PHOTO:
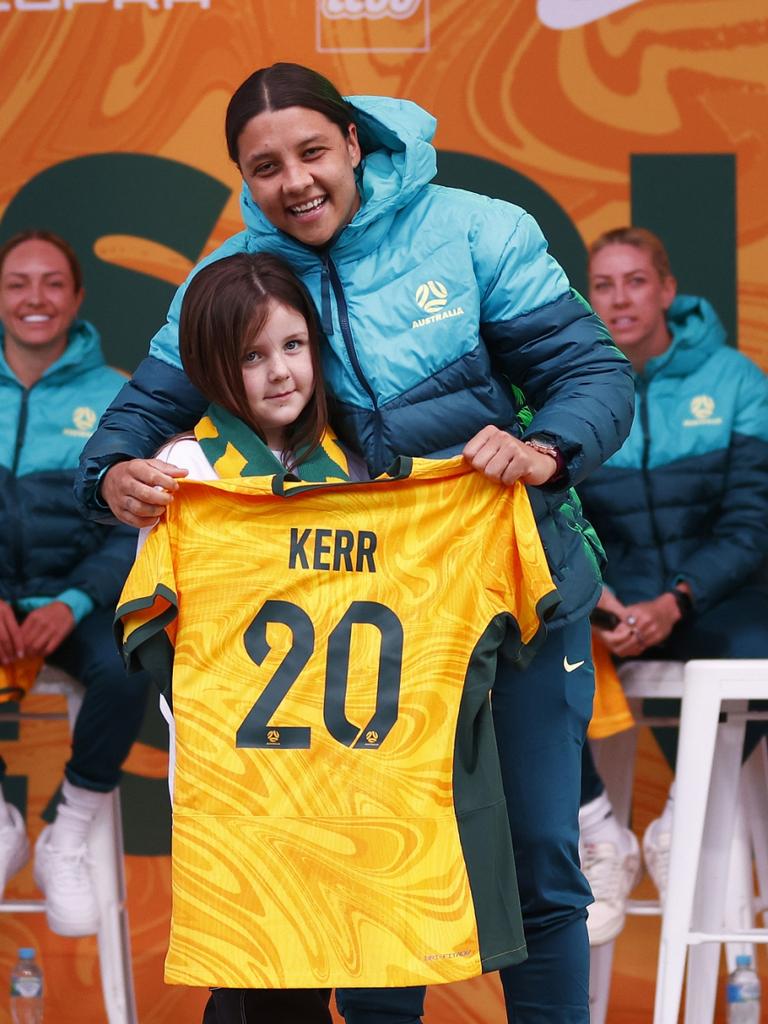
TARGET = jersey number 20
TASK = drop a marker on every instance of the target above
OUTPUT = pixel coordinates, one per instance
(257, 729)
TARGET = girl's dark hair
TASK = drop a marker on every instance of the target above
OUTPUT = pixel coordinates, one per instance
(38, 235)
(225, 306)
(278, 87)
(640, 238)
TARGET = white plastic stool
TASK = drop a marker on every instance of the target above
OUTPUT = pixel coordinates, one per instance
(106, 846)
(615, 758)
(756, 810)
(707, 780)
(615, 762)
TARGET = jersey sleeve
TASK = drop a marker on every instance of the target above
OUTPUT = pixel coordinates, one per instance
(516, 571)
(145, 621)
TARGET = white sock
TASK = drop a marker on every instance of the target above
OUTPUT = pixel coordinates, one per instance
(76, 811)
(598, 824)
(5, 814)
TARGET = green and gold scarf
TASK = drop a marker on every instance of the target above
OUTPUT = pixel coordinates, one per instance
(233, 449)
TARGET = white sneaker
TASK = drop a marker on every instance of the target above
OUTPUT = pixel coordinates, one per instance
(656, 846)
(612, 876)
(14, 847)
(64, 876)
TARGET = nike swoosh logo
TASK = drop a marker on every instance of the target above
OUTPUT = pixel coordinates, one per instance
(562, 14)
(571, 667)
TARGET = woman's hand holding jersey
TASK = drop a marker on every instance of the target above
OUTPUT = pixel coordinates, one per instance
(138, 490)
(498, 455)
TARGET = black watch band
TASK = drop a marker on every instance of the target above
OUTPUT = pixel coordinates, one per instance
(684, 602)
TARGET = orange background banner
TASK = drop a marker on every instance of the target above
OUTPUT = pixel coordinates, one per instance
(587, 112)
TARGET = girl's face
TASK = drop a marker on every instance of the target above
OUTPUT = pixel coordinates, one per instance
(300, 168)
(278, 375)
(38, 301)
(631, 299)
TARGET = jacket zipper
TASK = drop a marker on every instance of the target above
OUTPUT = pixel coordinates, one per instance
(346, 332)
(642, 392)
(15, 523)
(332, 273)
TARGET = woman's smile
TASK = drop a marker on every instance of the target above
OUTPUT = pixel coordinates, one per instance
(300, 170)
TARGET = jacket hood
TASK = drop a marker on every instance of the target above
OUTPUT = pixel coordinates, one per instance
(696, 333)
(83, 352)
(398, 161)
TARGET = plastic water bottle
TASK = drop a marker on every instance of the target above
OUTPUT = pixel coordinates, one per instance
(742, 995)
(27, 989)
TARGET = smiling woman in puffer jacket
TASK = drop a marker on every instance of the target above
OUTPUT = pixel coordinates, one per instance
(439, 308)
(60, 576)
(682, 511)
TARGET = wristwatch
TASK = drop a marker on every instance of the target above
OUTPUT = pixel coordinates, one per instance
(548, 448)
(684, 602)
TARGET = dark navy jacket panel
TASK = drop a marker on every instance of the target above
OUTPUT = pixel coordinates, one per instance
(573, 379)
(46, 547)
(686, 498)
(50, 548)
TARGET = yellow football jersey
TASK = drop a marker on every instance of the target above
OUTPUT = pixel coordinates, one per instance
(328, 651)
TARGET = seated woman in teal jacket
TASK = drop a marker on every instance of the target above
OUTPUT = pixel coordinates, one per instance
(682, 511)
(60, 576)
(439, 308)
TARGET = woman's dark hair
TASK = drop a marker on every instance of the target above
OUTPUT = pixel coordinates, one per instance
(640, 238)
(38, 235)
(224, 308)
(278, 87)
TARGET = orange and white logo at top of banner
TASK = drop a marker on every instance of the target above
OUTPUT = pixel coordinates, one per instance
(372, 9)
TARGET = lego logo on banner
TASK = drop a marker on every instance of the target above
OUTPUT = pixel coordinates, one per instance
(372, 26)
(369, 8)
(562, 14)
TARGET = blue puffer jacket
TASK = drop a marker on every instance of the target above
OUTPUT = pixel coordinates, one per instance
(47, 550)
(433, 300)
(686, 498)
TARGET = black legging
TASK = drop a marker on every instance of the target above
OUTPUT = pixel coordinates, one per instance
(268, 1006)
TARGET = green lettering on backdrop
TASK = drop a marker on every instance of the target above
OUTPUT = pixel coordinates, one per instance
(689, 200)
(476, 174)
(90, 197)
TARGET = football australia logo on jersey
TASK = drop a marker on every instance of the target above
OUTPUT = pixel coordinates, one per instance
(432, 297)
(372, 26)
(84, 422)
(702, 410)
